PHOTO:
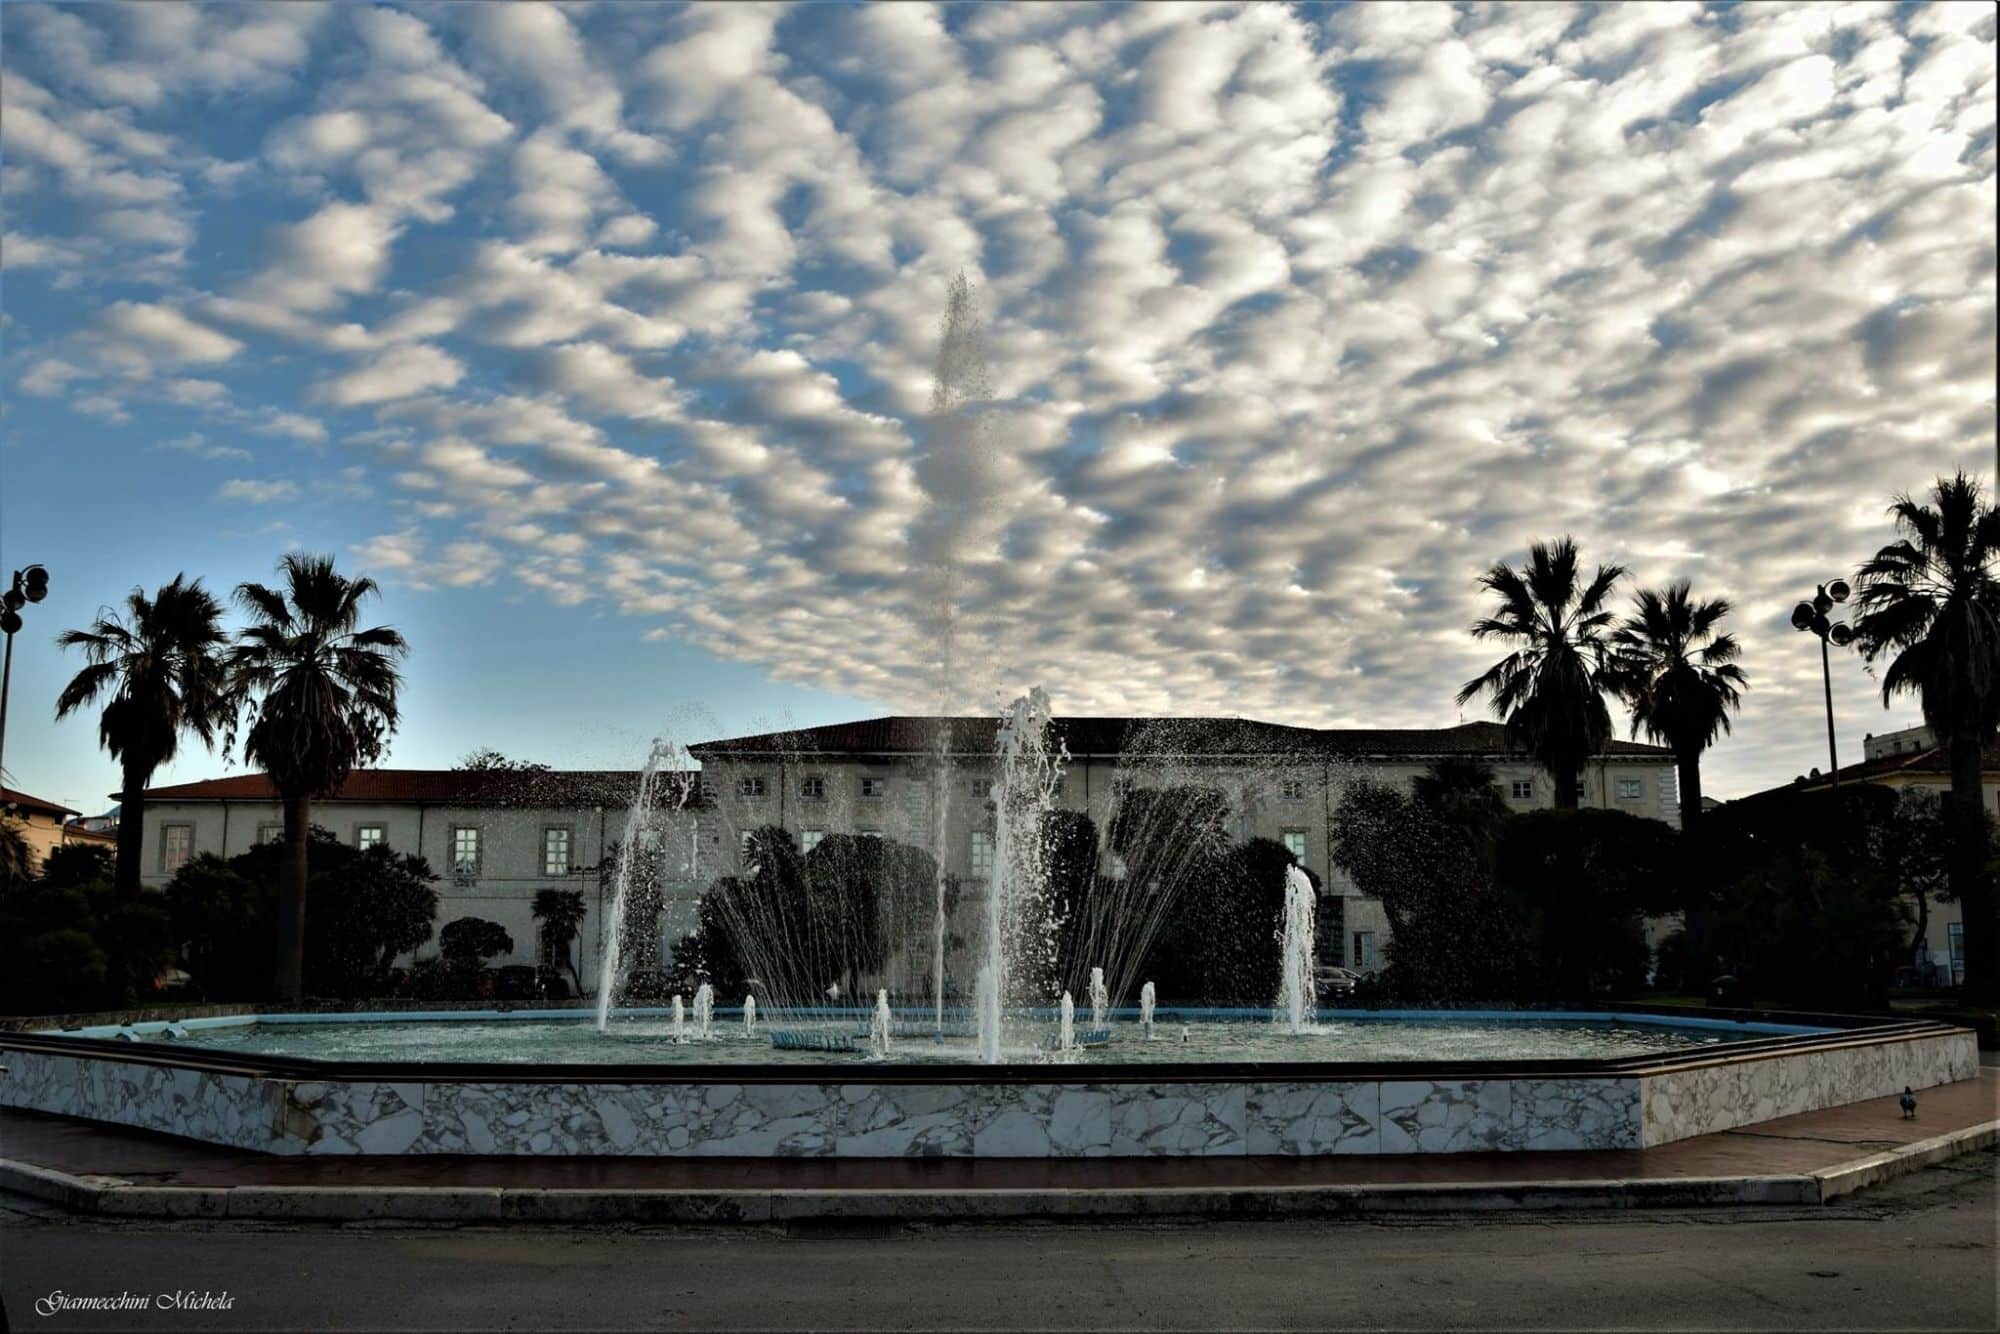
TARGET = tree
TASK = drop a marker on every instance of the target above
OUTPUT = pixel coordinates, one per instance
(1550, 689)
(1679, 675)
(473, 940)
(561, 913)
(490, 761)
(74, 864)
(14, 857)
(1578, 886)
(325, 697)
(1913, 850)
(1930, 602)
(160, 670)
(1681, 679)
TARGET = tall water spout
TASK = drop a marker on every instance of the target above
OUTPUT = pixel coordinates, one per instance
(878, 1027)
(704, 1009)
(679, 1020)
(1297, 1007)
(1066, 1034)
(631, 848)
(1100, 999)
(986, 1004)
(1021, 797)
(750, 1014)
(1146, 1010)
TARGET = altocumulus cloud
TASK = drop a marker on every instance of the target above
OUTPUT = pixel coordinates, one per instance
(1297, 317)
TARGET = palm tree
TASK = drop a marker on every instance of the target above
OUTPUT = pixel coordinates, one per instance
(1681, 679)
(161, 672)
(325, 697)
(1932, 600)
(561, 912)
(1550, 689)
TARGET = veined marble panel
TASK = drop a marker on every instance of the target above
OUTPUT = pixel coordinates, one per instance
(1707, 1099)
(1310, 1119)
(222, 1109)
(1445, 1116)
(1179, 1120)
(1572, 1114)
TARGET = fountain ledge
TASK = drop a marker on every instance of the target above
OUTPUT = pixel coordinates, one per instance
(292, 1106)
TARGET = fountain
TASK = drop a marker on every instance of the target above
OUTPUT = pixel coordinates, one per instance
(1100, 1000)
(1297, 1003)
(1021, 797)
(1146, 1010)
(678, 1017)
(749, 1016)
(637, 822)
(704, 1010)
(878, 1028)
(1066, 1033)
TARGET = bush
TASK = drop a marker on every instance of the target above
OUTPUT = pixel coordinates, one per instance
(79, 946)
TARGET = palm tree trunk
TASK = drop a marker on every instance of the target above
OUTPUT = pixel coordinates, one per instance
(1567, 791)
(131, 832)
(1918, 949)
(1968, 874)
(292, 900)
(1699, 922)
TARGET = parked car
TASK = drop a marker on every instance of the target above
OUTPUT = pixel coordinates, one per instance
(1336, 982)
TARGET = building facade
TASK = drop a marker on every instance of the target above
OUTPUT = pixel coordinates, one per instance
(497, 837)
(494, 838)
(47, 825)
(883, 776)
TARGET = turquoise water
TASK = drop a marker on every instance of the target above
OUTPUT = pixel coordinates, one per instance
(566, 1037)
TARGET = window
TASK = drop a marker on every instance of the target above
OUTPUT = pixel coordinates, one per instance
(370, 836)
(1364, 951)
(982, 852)
(873, 788)
(270, 833)
(1630, 789)
(1295, 843)
(176, 846)
(979, 789)
(809, 839)
(813, 789)
(1954, 934)
(750, 785)
(1292, 789)
(869, 833)
(464, 850)
(555, 851)
(1118, 868)
(1522, 789)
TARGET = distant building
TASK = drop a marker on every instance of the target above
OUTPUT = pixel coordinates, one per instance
(495, 837)
(46, 825)
(1282, 783)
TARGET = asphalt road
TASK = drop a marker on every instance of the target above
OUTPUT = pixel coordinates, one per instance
(1919, 1253)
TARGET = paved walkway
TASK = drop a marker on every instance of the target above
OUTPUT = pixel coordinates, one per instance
(1795, 1146)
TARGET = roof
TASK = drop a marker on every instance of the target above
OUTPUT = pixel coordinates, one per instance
(1934, 762)
(445, 787)
(28, 805)
(75, 832)
(1222, 737)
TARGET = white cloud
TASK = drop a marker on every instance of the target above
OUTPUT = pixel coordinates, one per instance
(399, 373)
(253, 492)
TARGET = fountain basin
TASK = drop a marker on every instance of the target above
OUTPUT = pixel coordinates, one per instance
(1707, 1072)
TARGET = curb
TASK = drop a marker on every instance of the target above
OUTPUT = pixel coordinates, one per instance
(110, 1197)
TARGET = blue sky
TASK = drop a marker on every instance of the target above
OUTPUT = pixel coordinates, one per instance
(603, 336)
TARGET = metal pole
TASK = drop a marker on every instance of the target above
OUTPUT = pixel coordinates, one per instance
(1826, 678)
(6, 682)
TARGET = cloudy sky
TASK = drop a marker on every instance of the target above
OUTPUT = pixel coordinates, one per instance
(603, 335)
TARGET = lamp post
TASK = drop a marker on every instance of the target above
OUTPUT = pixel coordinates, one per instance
(1813, 616)
(30, 585)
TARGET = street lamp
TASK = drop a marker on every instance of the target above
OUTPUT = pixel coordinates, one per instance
(30, 585)
(1813, 616)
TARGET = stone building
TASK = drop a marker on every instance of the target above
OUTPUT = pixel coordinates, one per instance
(495, 837)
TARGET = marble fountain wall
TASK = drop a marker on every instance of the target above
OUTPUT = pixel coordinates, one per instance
(1086, 1114)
